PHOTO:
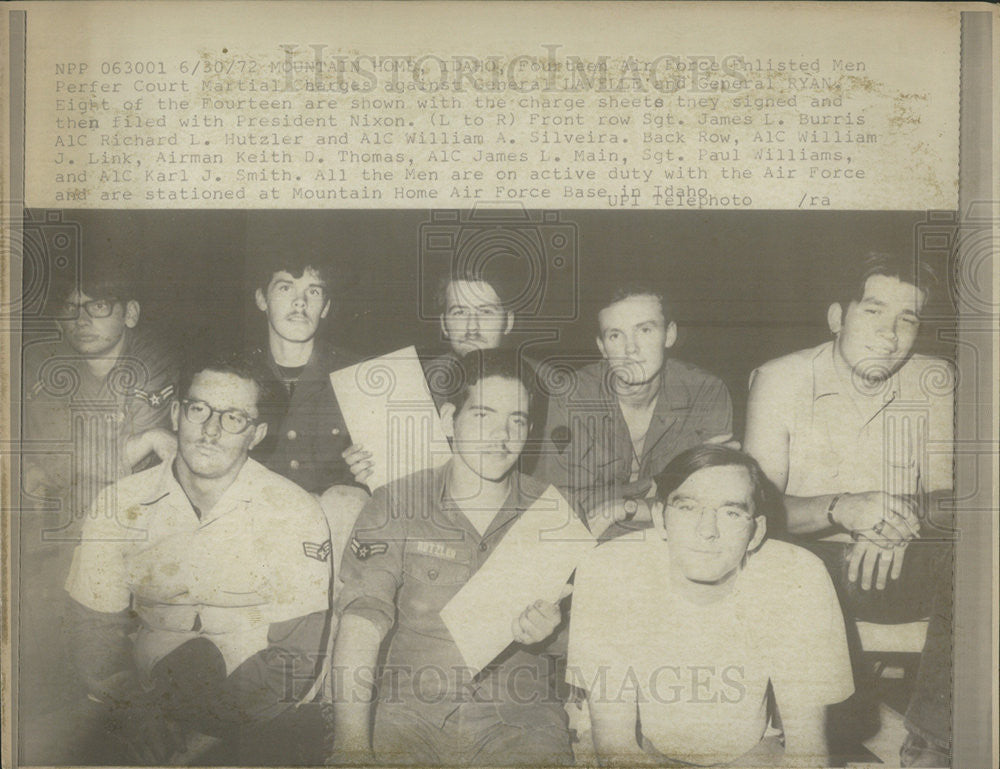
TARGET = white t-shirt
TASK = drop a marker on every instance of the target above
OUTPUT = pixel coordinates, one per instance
(700, 673)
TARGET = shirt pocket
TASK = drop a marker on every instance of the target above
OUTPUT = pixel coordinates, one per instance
(429, 583)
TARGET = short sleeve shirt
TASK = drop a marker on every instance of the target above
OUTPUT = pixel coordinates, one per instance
(411, 551)
(84, 421)
(260, 555)
(896, 438)
(699, 674)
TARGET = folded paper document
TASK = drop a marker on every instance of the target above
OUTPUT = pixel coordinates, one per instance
(534, 560)
(388, 409)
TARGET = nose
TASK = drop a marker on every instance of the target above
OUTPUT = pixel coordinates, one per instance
(212, 426)
(300, 299)
(707, 525)
(82, 317)
(472, 323)
(631, 345)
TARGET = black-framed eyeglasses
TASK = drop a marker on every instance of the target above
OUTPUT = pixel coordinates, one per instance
(96, 308)
(233, 421)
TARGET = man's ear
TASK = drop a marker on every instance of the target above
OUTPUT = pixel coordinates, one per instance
(259, 431)
(448, 419)
(175, 413)
(444, 328)
(671, 335)
(760, 531)
(510, 323)
(131, 313)
(260, 300)
(326, 309)
(656, 513)
(600, 346)
(835, 318)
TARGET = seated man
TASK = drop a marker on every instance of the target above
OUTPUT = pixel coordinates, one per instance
(416, 543)
(721, 643)
(857, 433)
(225, 567)
(625, 417)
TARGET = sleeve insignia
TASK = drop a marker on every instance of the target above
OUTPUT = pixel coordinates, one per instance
(320, 552)
(365, 550)
(156, 398)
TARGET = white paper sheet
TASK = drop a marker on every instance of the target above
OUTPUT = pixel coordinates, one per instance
(389, 410)
(534, 560)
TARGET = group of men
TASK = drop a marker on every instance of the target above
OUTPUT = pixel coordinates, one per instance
(207, 590)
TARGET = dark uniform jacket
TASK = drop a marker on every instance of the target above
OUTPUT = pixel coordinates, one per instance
(306, 432)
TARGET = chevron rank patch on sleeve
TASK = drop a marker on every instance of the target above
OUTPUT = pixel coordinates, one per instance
(321, 552)
(155, 398)
(365, 550)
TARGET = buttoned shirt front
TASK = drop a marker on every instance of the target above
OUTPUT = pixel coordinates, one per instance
(845, 436)
(588, 451)
(306, 432)
(412, 550)
(259, 556)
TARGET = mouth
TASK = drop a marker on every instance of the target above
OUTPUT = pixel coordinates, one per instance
(297, 318)
(881, 351)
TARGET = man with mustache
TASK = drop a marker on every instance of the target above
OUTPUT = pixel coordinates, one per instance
(416, 543)
(623, 419)
(857, 433)
(200, 588)
(306, 430)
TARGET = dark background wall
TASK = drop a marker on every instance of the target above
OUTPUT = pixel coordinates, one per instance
(746, 287)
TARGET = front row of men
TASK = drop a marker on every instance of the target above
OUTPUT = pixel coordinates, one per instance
(698, 640)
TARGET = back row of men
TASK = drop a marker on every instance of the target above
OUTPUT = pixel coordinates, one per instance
(200, 590)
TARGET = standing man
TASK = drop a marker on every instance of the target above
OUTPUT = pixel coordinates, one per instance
(307, 435)
(96, 405)
(717, 631)
(200, 589)
(103, 390)
(857, 433)
(416, 543)
(475, 315)
(624, 418)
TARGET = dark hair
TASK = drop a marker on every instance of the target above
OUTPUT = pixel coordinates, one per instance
(223, 363)
(489, 274)
(293, 261)
(477, 365)
(107, 278)
(906, 269)
(619, 290)
(687, 463)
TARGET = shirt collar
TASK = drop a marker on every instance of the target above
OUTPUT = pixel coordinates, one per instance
(241, 489)
(516, 503)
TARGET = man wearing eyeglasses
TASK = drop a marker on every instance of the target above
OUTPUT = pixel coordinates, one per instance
(105, 388)
(218, 568)
(726, 647)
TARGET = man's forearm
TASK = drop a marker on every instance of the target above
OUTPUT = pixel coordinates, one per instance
(101, 649)
(354, 657)
(808, 515)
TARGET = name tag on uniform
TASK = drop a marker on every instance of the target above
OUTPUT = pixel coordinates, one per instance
(437, 550)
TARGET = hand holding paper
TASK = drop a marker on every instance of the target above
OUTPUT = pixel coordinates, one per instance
(391, 417)
(532, 563)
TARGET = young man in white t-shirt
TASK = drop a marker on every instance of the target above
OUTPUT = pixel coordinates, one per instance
(719, 646)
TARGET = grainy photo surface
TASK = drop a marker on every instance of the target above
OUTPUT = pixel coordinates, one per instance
(499, 384)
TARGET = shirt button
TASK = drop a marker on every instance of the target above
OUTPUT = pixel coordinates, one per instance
(484, 547)
(432, 574)
(294, 464)
(292, 435)
(335, 431)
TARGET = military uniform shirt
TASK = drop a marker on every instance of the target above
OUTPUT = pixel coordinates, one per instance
(261, 555)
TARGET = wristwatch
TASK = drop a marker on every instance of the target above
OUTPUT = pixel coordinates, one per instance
(631, 508)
